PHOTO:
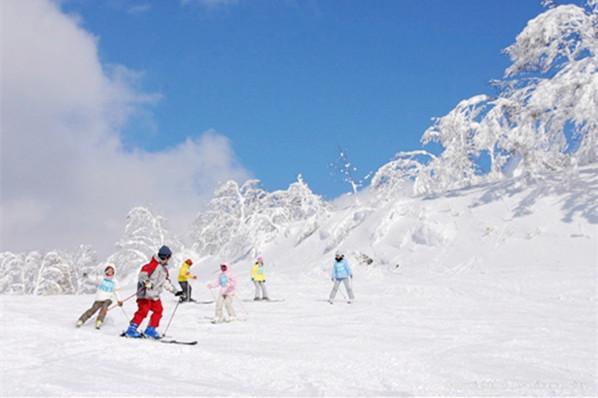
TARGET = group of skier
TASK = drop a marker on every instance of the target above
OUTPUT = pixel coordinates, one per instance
(153, 278)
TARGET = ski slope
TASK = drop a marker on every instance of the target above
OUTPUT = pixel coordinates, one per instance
(483, 292)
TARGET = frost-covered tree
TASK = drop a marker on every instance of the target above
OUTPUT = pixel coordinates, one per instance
(55, 275)
(214, 228)
(55, 272)
(144, 233)
(553, 86)
(455, 132)
(85, 261)
(19, 272)
(30, 271)
(544, 117)
(11, 275)
(403, 175)
(280, 211)
(242, 219)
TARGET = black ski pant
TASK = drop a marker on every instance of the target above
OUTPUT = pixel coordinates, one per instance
(186, 291)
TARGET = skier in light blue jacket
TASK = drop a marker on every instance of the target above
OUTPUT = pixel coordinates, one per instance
(341, 272)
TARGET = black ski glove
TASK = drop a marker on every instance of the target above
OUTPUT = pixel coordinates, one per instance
(179, 293)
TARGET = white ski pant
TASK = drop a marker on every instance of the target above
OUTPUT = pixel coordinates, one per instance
(348, 288)
(226, 301)
(260, 286)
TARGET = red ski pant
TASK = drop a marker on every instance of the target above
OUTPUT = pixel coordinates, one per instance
(143, 307)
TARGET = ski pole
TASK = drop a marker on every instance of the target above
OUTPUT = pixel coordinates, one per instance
(171, 317)
(124, 313)
(127, 299)
(212, 293)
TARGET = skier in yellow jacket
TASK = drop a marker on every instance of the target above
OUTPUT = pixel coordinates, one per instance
(259, 279)
(184, 276)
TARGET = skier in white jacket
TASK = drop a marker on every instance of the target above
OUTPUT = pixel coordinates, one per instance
(107, 286)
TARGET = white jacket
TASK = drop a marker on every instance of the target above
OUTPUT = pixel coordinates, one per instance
(106, 288)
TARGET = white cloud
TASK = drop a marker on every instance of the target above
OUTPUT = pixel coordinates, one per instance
(65, 177)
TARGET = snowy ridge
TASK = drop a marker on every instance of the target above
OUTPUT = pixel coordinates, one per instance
(243, 221)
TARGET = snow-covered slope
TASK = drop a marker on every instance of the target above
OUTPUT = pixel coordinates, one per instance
(487, 286)
(486, 291)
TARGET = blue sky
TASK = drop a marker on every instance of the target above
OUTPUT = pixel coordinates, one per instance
(288, 82)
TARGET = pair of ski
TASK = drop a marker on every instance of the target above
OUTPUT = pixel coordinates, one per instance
(162, 340)
(198, 302)
(263, 301)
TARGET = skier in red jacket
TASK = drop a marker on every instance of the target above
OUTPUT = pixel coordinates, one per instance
(153, 277)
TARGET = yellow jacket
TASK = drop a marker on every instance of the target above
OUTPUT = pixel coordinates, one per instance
(257, 273)
(184, 273)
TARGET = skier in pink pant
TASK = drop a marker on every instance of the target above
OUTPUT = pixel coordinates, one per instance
(226, 282)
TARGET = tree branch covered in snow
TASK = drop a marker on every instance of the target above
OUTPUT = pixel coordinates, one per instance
(54, 272)
(144, 233)
(241, 219)
(344, 168)
(544, 117)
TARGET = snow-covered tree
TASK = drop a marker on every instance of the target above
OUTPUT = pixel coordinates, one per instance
(11, 275)
(403, 175)
(544, 117)
(553, 83)
(455, 132)
(144, 233)
(55, 272)
(55, 275)
(85, 261)
(242, 219)
(214, 228)
(30, 271)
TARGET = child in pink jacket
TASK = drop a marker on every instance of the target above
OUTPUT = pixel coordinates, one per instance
(226, 282)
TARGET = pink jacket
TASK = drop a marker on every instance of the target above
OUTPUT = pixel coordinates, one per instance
(226, 281)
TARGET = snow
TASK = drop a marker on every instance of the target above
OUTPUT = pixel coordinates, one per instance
(484, 285)
(484, 291)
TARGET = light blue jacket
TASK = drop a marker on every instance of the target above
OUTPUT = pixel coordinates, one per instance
(341, 270)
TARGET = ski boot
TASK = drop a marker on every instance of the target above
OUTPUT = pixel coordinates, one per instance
(217, 320)
(256, 299)
(132, 331)
(98, 324)
(152, 333)
(266, 299)
(79, 323)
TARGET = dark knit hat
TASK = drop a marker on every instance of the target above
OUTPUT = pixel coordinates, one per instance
(164, 253)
